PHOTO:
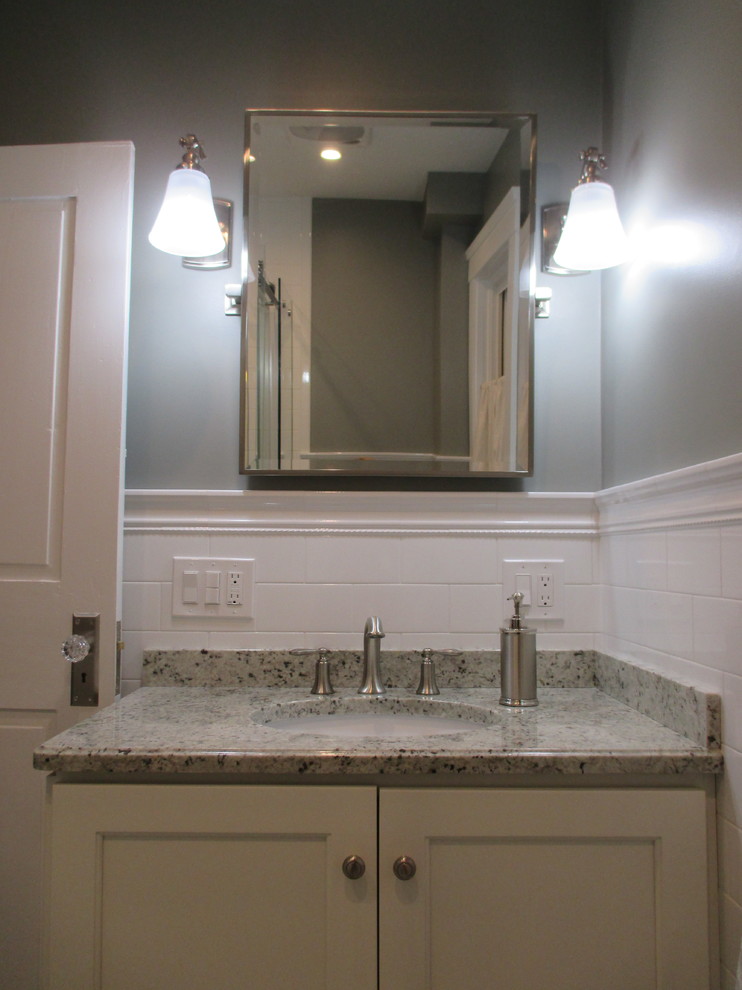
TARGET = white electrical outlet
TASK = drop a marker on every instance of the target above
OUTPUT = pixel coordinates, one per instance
(545, 585)
(212, 587)
(234, 588)
(542, 584)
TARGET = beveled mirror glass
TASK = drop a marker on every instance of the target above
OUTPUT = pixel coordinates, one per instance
(388, 302)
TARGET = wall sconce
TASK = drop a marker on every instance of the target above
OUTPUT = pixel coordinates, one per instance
(187, 223)
(589, 236)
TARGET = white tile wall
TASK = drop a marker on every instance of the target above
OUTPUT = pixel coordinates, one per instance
(660, 592)
(672, 600)
(436, 589)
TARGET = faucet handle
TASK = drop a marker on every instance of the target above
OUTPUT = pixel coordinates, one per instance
(428, 684)
(322, 683)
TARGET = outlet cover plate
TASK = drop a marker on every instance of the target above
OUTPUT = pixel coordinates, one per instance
(223, 608)
(512, 569)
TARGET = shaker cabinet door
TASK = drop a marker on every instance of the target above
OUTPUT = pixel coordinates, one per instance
(207, 886)
(560, 888)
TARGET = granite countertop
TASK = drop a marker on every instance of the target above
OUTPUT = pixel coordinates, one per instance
(207, 719)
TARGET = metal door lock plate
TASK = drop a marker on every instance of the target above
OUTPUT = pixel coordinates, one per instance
(84, 673)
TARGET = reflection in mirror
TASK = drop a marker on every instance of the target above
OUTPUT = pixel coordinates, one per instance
(388, 308)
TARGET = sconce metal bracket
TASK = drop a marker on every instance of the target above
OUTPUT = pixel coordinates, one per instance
(542, 296)
(233, 299)
(223, 210)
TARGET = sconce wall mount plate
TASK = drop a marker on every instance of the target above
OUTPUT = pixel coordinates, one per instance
(223, 210)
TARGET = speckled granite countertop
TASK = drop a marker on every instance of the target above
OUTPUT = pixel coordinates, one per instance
(621, 719)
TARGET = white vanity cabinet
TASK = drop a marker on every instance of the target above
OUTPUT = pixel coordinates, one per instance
(544, 889)
(213, 886)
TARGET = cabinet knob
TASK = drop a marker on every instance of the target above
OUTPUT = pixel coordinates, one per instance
(353, 867)
(404, 868)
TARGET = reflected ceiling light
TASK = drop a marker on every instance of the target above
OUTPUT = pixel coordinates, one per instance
(592, 236)
(330, 154)
(187, 224)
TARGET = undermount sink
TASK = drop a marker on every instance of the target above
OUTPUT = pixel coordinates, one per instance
(386, 718)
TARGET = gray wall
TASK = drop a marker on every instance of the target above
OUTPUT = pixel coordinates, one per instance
(672, 353)
(84, 70)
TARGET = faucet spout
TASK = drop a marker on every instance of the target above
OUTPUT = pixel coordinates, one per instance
(373, 633)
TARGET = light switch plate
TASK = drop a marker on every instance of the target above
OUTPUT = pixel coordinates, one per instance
(214, 592)
(544, 578)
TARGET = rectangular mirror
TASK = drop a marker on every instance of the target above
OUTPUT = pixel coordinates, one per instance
(388, 299)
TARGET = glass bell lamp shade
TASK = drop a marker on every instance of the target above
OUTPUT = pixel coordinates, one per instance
(593, 236)
(186, 224)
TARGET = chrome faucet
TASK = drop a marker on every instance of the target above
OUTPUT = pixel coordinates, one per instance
(373, 634)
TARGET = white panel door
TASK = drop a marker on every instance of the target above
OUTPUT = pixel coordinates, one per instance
(562, 889)
(65, 233)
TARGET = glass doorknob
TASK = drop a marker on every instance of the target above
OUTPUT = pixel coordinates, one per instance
(75, 648)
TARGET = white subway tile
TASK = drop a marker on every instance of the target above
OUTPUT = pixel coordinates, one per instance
(303, 607)
(353, 559)
(476, 608)
(595, 555)
(149, 557)
(654, 619)
(582, 608)
(646, 561)
(717, 640)
(621, 612)
(576, 552)
(634, 560)
(551, 639)
(279, 557)
(450, 640)
(731, 561)
(694, 561)
(732, 710)
(611, 560)
(450, 559)
(141, 605)
(668, 623)
(404, 607)
(203, 623)
(704, 678)
(344, 641)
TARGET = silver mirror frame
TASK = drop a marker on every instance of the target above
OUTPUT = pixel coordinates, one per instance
(250, 281)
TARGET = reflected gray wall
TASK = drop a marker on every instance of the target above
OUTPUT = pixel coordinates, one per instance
(83, 70)
(373, 327)
(672, 337)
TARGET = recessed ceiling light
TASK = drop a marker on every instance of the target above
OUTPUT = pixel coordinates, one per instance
(330, 154)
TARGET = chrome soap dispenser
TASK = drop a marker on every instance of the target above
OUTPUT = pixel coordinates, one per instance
(517, 660)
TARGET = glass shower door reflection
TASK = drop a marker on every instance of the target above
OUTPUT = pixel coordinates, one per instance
(274, 371)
